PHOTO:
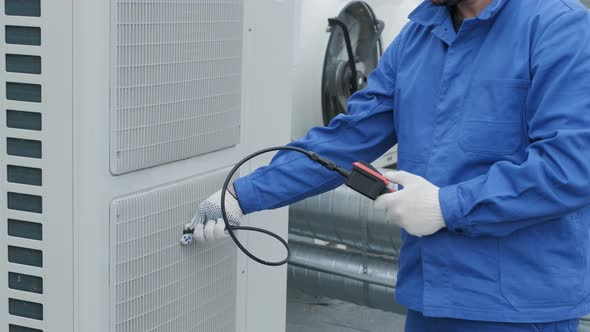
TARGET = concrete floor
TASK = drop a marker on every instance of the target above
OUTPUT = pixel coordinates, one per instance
(308, 313)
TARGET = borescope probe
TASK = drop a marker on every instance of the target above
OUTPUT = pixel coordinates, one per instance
(363, 178)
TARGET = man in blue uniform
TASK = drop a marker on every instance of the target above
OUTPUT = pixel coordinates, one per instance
(489, 101)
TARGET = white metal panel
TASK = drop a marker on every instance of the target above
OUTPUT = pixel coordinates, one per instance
(159, 285)
(268, 56)
(57, 180)
(177, 80)
(55, 164)
(95, 187)
(261, 290)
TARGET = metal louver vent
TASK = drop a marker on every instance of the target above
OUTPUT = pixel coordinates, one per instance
(22, 165)
(177, 80)
(159, 285)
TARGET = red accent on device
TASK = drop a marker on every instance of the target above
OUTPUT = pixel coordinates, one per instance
(372, 171)
(367, 180)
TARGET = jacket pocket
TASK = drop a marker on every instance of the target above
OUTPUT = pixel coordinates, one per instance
(493, 117)
(543, 266)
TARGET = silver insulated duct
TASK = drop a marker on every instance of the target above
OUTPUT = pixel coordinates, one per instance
(359, 262)
(338, 273)
(345, 217)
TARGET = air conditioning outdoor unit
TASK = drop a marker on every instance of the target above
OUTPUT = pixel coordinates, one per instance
(118, 118)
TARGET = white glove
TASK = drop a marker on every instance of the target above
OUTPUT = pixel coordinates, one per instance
(207, 224)
(416, 207)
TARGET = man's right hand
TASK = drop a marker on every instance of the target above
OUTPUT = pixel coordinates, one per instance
(208, 222)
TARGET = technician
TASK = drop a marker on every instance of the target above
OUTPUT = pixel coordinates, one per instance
(489, 101)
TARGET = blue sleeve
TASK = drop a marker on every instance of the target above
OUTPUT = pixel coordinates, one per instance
(554, 180)
(364, 134)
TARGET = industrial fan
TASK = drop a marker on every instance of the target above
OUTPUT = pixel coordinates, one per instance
(353, 51)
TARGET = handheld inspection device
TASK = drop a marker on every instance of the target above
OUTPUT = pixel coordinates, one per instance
(362, 178)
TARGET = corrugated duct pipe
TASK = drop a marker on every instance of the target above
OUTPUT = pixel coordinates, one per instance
(345, 217)
(365, 271)
(336, 273)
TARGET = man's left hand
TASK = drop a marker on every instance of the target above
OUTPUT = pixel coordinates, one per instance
(416, 207)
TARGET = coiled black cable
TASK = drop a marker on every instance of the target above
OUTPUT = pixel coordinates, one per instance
(230, 229)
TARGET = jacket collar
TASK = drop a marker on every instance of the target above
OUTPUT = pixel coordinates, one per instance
(428, 14)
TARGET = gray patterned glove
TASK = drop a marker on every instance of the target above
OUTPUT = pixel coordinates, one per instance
(207, 225)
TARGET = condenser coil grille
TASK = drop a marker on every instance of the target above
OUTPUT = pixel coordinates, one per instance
(176, 82)
(159, 285)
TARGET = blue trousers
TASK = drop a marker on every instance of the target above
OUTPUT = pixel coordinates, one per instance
(416, 322)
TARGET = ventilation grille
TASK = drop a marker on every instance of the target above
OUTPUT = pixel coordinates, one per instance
(21, 162)
(159, 285)
(177, 80)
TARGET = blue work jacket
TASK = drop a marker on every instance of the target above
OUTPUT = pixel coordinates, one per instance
(498, 116)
